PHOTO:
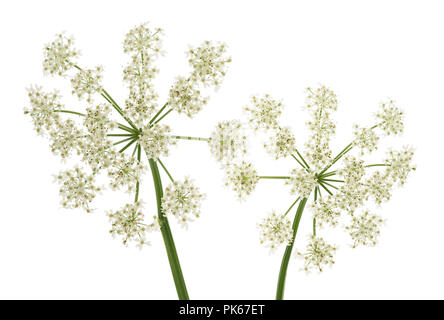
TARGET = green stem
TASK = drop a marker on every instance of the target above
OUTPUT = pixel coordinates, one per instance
(328, 184)
(71, 112)
(121, 126)
(274, 177)
(288, 249)
(136, 197)
(167, 236)
(291, 207)
(332, 180)
(166, 171)
(328, 174)
(325, 188)
(303, 160)
(298, 162)
(166, 113)
(122, 141)
(118, 109)
(158, 113)
(339, 156)
(120, 135)
(315, 199)
(127, 146)
(377, 165)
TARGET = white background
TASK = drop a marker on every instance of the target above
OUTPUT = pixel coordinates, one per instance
(365, 51)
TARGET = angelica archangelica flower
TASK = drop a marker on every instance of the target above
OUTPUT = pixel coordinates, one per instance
(242, 178)
(182, 200)
(228, 141)
(87, 82)
(364, 229)
(128, 223)
(125, 172)
(352, 171)
(325, 211)
(264, 113)
(399, 164)
(275, 230)
(143, 40)
(378, 187)
(301, 182)
(97, 121)
(334, 191)
(318, 254)
(98, 154)
(281, 144)
(65, 138)
(156, 140)
(321, 98)
(365, 139)
(320, 102)
(391, 118)
(144, 45)
(185, 97)
(44, 107)
(58, 55)
(77, 189)
(209, 63)
(118, 155)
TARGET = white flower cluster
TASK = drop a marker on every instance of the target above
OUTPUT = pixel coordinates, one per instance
(87, 82)
(156, 140)
(209, 66)
(97, 121)
(320, 102)
(275, 230)
(182, 200)
(364, 229)
(264, 113)
(352, 171)
(378, 187)
(125, 172)
(326, 212)
(391, 118)
(281, 144)
(349, 197)
(65, 138)
(209, 63)
(400, 164)
(321, 98)
(144, 45)
(365, 139)
(128, 223)
(58, 55)
(97, 153)
(77, 189)
(44, 107)
(319, 254)
(242, 178)
(185, 97)
(228, 141)
(301, 182)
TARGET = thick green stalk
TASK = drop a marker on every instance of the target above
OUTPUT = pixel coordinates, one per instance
(288, 249)
(167, 236)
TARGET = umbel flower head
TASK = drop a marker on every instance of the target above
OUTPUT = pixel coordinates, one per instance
(275, 230)
(337, 193)
(228, 141)
(112, 148)
(182, 200)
